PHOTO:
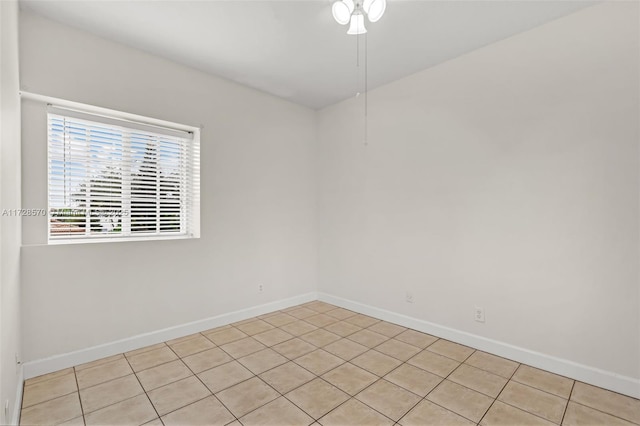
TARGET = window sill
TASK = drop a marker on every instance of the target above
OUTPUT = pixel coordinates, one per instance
(93, 240)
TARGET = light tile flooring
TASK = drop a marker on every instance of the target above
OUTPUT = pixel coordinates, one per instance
(316, 363)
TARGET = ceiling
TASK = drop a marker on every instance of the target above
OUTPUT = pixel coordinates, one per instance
(294, 49)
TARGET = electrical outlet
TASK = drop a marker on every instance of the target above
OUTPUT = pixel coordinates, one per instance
(479, 314)
(260, 288)
(409, 297)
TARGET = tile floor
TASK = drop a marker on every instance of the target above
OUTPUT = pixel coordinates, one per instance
(316, 363)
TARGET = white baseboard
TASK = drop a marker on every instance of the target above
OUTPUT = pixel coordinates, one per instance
(584, 373)
(59, 362)
(597, 377)
(17, 404)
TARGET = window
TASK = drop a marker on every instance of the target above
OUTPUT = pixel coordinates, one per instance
(113, 179)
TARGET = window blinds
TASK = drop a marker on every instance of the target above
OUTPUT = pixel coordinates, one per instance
(113, 178)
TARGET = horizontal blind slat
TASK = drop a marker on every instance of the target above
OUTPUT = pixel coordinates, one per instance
(103, 176)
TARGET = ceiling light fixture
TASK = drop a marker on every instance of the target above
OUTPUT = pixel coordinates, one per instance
(357, 24)
(346, 11)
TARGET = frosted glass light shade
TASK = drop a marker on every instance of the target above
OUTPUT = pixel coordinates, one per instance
(374, 9)
(350, 5)
(357, 24)
(341, 12)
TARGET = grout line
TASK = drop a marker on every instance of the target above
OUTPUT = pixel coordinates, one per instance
(84, 421)
(476, 390)
(526, 411)
(113, 403)
(594, 386)
(373, 408)
(255, 376)
(438, 353)
(215, 330)
(447, 377)
(542, 390)
(334, 409)
(424, 398)
(391, 356)
(142, 350)
(339, 356)
(98, 362)
(185, 341)
(226, 343)
(207, 388)
(559, 375)
(117, 402)
(222, 390)
(600, 411)
(144, 390)
(488, 371)
(153, 366)
(22, 400)
(363, 403)
(179, 340)
(450, 410)
(296, 405)
(523, 409)
(499, 393)
(28, 385)
(50, 399)
(370, 347)
(268, 402)
(106, 381)
(309, 414)
(99, 365)
(191, 403)
(315, 376)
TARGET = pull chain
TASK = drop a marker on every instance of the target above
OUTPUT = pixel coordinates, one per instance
(366, 92)
(366, 83)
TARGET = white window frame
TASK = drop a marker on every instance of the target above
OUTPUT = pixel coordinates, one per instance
(189, 221)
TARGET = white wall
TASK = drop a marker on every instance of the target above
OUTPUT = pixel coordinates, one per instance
(10, 339)
(507, 179)
(258, 199)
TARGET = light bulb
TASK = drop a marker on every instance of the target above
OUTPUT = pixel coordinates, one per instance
(341, 12)
(357, 24)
